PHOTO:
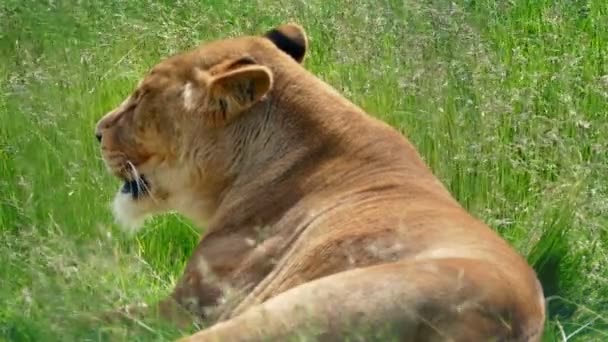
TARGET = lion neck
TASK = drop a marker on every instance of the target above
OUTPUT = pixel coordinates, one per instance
(282, 142)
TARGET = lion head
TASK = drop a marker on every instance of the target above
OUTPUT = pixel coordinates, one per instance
(190, 127)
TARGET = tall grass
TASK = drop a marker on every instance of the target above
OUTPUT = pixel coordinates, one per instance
(506, 101)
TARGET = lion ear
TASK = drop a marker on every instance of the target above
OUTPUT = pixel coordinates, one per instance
(235, 87)
(291, 39)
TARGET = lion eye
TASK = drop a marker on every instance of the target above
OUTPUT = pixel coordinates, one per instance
(136, 99)
(138, 94)
(131, 106)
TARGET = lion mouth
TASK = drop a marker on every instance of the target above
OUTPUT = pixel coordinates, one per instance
(137, 188)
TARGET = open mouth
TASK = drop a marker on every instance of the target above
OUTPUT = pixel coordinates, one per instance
(137, 188)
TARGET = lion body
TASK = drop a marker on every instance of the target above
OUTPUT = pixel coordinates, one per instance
(315, 211)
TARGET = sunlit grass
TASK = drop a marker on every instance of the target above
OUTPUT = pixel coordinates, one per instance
(506, 101)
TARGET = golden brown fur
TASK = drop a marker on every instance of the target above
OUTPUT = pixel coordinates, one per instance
(316, 212)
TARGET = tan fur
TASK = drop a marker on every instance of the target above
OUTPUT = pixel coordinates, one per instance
(316, 213)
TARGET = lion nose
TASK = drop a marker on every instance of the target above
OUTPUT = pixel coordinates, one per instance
(100, 127)
(104, 123)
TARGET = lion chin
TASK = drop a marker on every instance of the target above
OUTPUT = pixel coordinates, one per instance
(133, 204)
(130, 214)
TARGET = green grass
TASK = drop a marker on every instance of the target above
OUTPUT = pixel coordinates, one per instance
(506, 100)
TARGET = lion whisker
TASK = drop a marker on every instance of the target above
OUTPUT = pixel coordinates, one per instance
(132, 170)
(140, 185)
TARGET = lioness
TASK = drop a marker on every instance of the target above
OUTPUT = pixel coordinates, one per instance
(315, 211)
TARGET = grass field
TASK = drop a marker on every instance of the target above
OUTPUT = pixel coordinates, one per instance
(506, 100)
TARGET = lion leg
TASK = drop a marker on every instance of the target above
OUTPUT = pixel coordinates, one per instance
(423, 300)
